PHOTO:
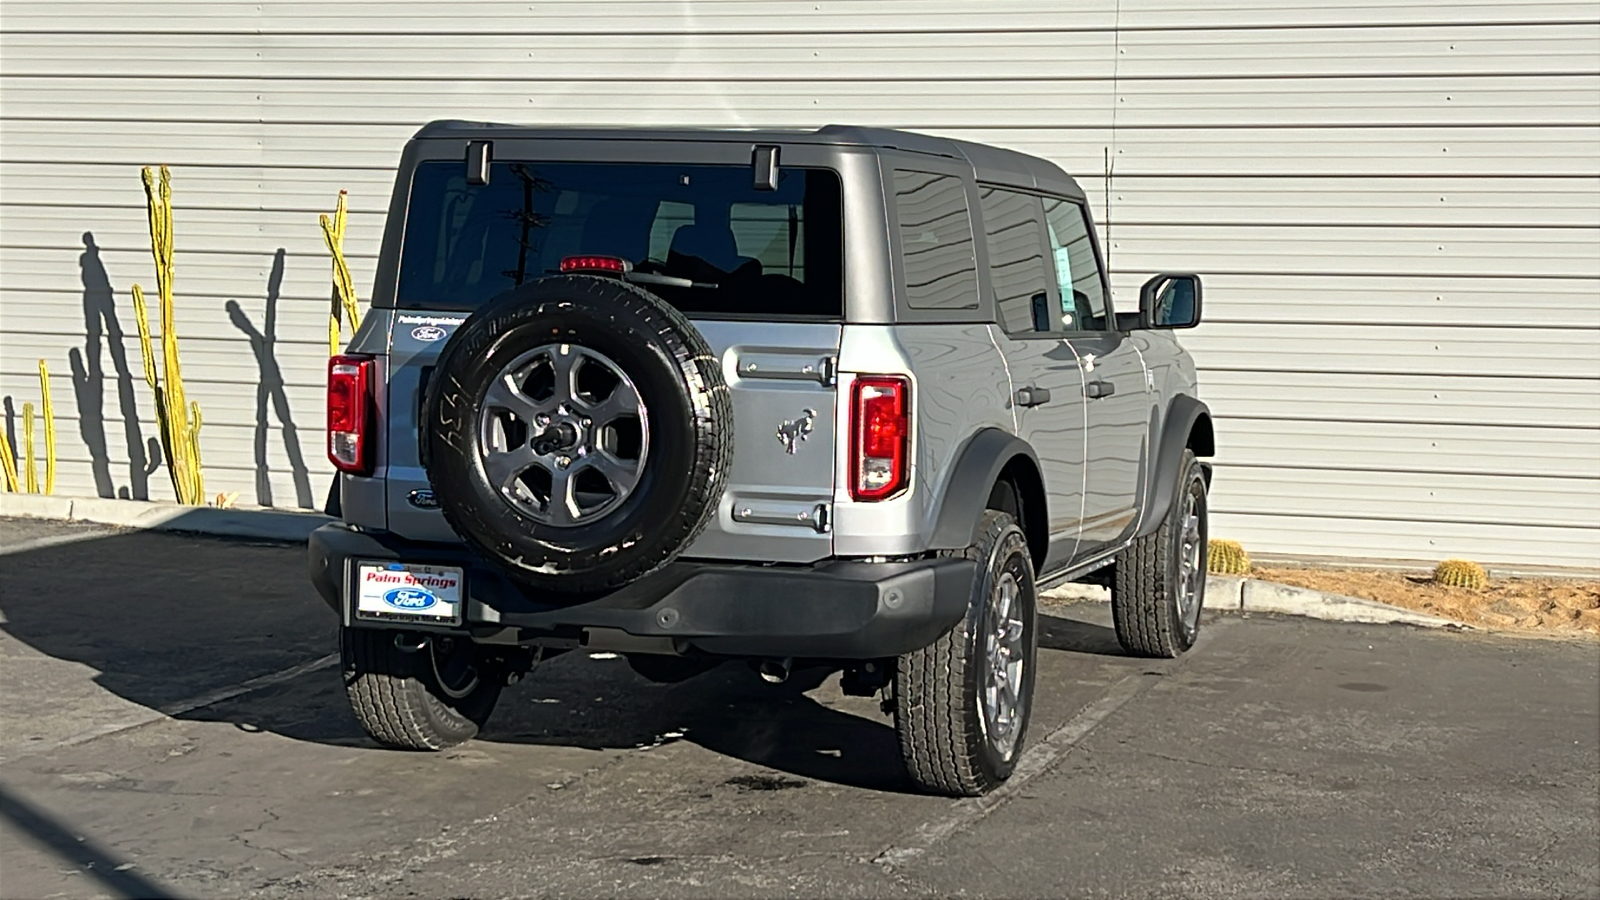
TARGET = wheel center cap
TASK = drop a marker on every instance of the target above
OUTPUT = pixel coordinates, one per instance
(558, 436)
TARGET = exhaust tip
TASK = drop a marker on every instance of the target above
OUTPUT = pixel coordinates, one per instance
(775, 671)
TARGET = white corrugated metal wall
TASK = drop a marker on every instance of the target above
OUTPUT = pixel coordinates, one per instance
(1396, 206)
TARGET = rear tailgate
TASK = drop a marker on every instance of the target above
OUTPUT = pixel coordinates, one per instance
(777, 505)
(757, 267)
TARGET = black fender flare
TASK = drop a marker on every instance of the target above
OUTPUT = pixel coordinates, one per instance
(972, 478)
(1182, 414)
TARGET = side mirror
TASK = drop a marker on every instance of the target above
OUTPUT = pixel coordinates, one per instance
(1170, 301)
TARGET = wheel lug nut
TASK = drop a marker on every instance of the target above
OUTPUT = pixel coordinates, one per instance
(563, 461)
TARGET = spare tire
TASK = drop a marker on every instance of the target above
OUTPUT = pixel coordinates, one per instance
(577, 432)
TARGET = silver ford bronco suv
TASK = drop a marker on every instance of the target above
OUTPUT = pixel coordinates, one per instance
(844, 397)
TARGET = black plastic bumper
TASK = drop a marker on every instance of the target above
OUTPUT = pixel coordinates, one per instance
(835, 609)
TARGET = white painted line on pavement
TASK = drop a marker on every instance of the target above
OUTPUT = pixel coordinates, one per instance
(1035, 760)
(244, 687)
(173, 710)
(55, 540)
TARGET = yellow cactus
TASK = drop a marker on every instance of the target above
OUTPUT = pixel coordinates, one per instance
(27, 477)
(8, 464)
(30, 476)
(1462, 573)
(179, 419)
(49, 429)
(1227, 558)
(344, 286)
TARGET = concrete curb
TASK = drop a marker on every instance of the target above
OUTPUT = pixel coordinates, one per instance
(1232, 594)
(1251, 595)
(155, 515)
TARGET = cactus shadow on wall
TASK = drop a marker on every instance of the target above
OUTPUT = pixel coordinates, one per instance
(103, 332)
(270, 392)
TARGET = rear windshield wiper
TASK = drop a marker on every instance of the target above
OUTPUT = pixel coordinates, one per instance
(667, 280)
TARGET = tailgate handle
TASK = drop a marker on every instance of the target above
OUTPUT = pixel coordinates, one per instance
(789, 367)
(818, 517)
(1033, 396)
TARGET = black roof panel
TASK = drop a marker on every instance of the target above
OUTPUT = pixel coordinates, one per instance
(989, 163)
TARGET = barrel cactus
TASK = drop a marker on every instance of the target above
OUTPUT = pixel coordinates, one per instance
(1227, 558)
(1462, 573)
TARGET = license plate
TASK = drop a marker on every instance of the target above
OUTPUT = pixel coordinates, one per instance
(409, 592)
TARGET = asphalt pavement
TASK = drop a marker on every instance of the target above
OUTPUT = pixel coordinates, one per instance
(172, 723)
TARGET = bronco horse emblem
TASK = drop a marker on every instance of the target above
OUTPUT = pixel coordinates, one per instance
(791, 433)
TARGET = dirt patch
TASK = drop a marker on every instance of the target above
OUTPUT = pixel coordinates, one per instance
(1542, 604)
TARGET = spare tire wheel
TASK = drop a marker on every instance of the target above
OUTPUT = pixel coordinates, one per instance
(577, 432)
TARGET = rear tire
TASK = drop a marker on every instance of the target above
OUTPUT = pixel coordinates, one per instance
(431, 698)
(955, 735)
(1160, 582)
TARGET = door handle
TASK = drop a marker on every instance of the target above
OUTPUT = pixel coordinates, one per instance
(1094, 390)
(1033, 396)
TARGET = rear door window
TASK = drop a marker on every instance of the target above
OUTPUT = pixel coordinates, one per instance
(1019, 271)
(747, 252)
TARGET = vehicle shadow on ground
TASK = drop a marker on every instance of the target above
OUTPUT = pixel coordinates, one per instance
(803, 727)
(1059, 630)
(165, 619)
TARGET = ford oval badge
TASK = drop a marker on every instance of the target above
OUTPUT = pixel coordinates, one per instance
(428, 333)
(422, 500)
(410, 599)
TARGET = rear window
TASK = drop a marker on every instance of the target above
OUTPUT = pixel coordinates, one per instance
(748, 252)
(936, 241)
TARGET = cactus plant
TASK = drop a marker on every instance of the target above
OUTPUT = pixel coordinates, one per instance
(49, 411)
(1462, 573)
(8, 464)
(1227, 558)
(344, 287)
(179, 420)
(21, 475)
(30, 474)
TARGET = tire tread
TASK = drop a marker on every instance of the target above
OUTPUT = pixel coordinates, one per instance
(1143, 610)
(932, 703)
(393, 706)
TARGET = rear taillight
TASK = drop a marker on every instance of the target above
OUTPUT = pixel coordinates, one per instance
(880, 436)
(349, 413)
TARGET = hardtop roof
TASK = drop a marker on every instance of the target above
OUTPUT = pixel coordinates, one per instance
(990, 164)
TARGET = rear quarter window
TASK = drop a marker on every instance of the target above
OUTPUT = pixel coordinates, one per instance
(936, 244)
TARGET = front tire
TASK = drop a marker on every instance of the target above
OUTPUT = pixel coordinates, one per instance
(428, 697)
(961, 704)
(1160, 583)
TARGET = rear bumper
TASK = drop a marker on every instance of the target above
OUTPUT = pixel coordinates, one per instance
(836, 609)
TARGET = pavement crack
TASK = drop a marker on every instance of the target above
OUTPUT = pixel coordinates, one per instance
(240, 837)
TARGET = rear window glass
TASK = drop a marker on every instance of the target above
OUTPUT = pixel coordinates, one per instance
(936, 241)
(748, 252)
